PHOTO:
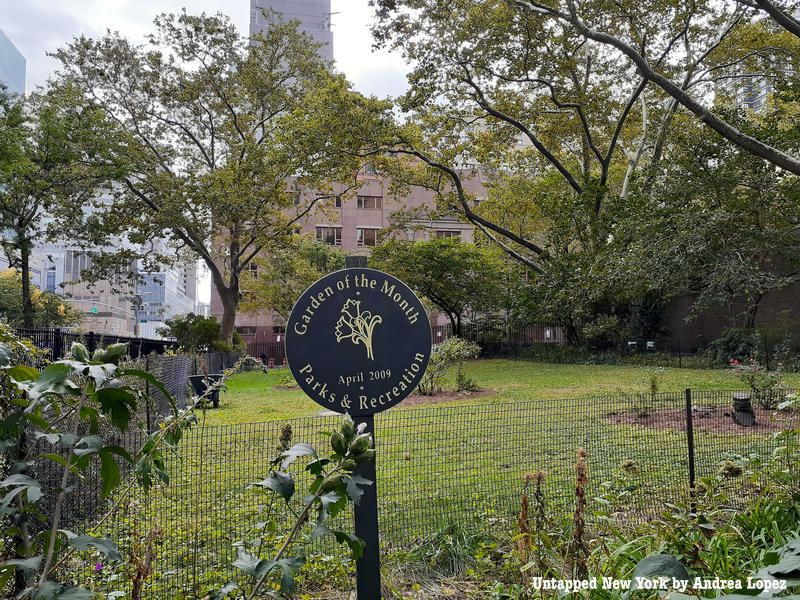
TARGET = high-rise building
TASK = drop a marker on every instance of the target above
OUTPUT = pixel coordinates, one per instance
(12, 65)
(314, 17)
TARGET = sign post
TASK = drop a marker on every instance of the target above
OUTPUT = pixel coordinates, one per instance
(358, 342)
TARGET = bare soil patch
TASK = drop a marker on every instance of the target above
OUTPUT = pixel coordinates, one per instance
(444, 396)
(715, 419)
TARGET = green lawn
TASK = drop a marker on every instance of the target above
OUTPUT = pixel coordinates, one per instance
(255, 397)
(464, 461)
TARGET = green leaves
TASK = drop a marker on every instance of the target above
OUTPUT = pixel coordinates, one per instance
(52, 380)
(657, 565)
(17, 484)
(111, 354)
(295, 452)
(355, 544)
(103, 545)
(786, 567)
(338, 443)
(332, 487)
(119, 403)
(353, 490)
(152, 380)
(279, 482)
(5, 355)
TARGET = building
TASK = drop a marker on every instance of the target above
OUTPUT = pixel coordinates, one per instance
(120, 306)
(354, 224)
(314, 17)
(749, 87)
(12, 65)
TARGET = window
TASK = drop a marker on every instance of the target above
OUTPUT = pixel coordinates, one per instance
(295, 194)
(370, 201)
(77, 262)
(50, 284)
(448, 233)
(367, 237)
(338, 202)
(370, 169)
(330, 235)
(253, 269)
(246, 330)
(278, 329)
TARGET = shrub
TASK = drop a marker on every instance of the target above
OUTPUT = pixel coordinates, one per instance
(735, 344)
(766, 387)
(270, 557)
(443, 356)
(464, 383)
(76, 408)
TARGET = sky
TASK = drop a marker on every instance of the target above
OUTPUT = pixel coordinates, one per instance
(40, 26)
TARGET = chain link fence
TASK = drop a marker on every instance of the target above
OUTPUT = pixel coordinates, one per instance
(439, 466)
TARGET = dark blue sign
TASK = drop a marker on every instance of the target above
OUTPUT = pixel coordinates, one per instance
(358, 341)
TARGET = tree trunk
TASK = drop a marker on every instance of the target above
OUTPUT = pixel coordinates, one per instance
(752, 312)
(25, 270)
(571, 333)
(230, 305)
(453, 326)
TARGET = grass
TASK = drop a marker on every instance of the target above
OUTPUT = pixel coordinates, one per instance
(437, 465)
(255, 397)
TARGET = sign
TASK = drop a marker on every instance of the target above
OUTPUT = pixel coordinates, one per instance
(358, 341)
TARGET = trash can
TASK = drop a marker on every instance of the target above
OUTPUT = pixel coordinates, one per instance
(743, 410)
(201, 382)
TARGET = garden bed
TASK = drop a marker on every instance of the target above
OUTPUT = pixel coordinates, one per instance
(715, 419)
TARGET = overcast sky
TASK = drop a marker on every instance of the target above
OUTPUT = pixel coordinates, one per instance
(40, 26)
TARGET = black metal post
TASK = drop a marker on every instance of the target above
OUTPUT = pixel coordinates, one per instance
(368, 567)
(58, 344)
(365, 515)
(690, 442)
(91, 343)
(355, 262)
(148, 399)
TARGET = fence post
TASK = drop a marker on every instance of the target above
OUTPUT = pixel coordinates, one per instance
(148, 400)
(58, 344)
(690, 442)
(91, 343)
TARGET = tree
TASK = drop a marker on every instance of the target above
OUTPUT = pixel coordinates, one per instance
(560, 129)
(49, 310)
(453, 275)
(281, 277)
(722, 224)
(676, 48)
(47, 174)
(223, 143)
(194, 333)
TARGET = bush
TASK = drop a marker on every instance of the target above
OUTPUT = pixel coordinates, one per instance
(735, 344)
(580, 355)
(443, 356)
(766, 387)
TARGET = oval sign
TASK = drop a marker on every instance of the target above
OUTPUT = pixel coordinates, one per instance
(358, 341)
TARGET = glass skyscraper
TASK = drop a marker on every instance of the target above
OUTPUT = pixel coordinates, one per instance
(12, 65)
(314, 17)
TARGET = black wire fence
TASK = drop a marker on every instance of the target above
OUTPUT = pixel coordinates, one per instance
(58, 341)
(439, 466)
